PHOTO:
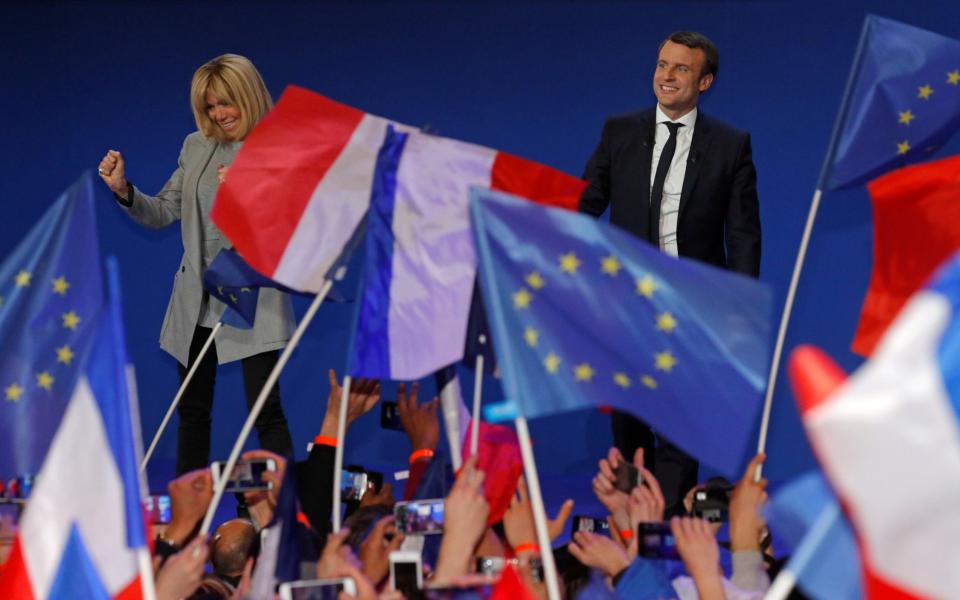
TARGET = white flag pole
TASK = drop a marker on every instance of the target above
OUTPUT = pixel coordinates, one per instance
(338, 451)
(176, 399)
(257, 407)
(539, 514)
(477, 390)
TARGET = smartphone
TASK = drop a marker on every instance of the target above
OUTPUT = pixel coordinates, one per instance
(494, 565)
(353, 484)
(627, 476)
(158, 508)
(390, 416)
(247, 476)
(419, 517)
(318, 589)
(590, 525)
(406, 572)
(656, 541)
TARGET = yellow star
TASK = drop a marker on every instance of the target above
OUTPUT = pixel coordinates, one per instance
(45, 381)
(23, 278)
(535, 280)
(14, 392)
(70, 320)
(583, 372)
(233, 298)
(665, 361)
(522, 298)
(220, 289)
(622, 380)
(906, 116)
(666, 322)
(649, 381)
(903, 147)
(610, 265)
(552, 363)
(953, 77)
(245, 290)
(646, 286)
(924, 92)
(531, 336)
(60, 285)
(569, 263)
(64, 355)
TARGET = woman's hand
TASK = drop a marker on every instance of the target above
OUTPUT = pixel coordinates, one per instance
(113, 173)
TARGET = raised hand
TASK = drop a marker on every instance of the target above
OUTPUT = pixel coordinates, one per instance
(746, 503)
(376, 548)
(112, 171)
(182, 573)
(420, 422)
(364, 394)
(464, 521)
(190, 496)
(697, 547)
(518, 521)
(599, 552)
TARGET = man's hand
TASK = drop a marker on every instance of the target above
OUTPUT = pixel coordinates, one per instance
(190, 496)
(464, 521)
(182, 573)
(384, 496)
(599, 552)
(420, 422)
(518, 519)
(113, 172)
(364, 394)
(263, 503)
(701, 556)
(604, 486)
(376, 548)
(746, 501)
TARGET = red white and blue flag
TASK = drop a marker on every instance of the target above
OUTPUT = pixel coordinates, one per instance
(889, 440)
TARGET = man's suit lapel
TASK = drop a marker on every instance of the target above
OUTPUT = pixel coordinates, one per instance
(646, 135)
(699, 146)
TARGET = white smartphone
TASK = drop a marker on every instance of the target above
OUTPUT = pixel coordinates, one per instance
(247, 476)
(318, 589)
(406, 572)
(419, 517)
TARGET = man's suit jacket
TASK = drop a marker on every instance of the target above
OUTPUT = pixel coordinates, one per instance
(719, 218)
(178, 200)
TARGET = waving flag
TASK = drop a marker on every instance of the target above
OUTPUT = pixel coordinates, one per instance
(916, 226)
(50, 292)
(82, 533)
(420, 262)
(903, 102)
(584, 314)
(898, 416)
(299, 187)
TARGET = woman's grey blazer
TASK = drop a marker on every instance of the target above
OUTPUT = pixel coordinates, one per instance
(178, 200)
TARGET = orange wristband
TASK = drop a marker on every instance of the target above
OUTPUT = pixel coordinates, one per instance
(324, 440)
(528, 547)
(626, 534)
(422, 453)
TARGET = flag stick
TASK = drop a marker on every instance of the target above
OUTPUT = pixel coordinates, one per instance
(451, 404)
(338, 451)
(539, 514)
(808, 548)
(176, 399)
(145, 564)
(475, 420)
(784, 321)
(220, 486)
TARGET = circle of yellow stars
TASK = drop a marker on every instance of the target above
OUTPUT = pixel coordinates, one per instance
(924, 93)
(645, 286)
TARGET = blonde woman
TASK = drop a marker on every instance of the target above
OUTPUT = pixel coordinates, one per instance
(228, 97)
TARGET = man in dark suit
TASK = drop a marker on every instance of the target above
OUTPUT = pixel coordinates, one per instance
(686, 183)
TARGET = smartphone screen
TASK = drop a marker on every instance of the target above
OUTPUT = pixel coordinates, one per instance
(421, 517)
(591, 525)
(390, 416)
(247, 475)
(158, 507)
(657, 541)
(353, 484)
(317, 589)
(405, 576)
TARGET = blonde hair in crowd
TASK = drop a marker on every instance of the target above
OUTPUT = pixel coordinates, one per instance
(234, 78)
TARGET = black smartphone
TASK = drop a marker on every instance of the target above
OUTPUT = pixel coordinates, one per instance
(419, 517)
(656, 541)
(627, 476)
(390, 416)
(247, 476)
(590, 525)
(712, 502)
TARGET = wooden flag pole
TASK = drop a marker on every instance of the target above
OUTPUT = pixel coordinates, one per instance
(176, 399)
(338, 451)
(539, 514)
(220, 486)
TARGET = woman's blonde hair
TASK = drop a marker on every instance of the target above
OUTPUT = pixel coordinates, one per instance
(234, 78)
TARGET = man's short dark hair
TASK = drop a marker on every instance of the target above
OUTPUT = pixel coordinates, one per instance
(692, 39)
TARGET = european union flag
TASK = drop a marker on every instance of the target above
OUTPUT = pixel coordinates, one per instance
(902, 102)
(584, 314)
(50, 298)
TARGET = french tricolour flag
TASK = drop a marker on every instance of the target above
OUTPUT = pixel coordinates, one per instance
(82, 533)
(888, 439)
(420, 257)
(299, 187)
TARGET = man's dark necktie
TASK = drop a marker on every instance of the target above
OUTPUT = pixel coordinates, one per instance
(656, 193)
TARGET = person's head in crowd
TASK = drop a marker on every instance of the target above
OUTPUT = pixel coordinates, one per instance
(212, 588)
(228, 97)
(231, 545)
(687, 64)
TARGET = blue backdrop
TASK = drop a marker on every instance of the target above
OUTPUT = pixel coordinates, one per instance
(535, 78)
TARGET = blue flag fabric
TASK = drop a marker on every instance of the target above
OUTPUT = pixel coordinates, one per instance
(50, 294)
(805, 516)
(584, 314)
(902, 104)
